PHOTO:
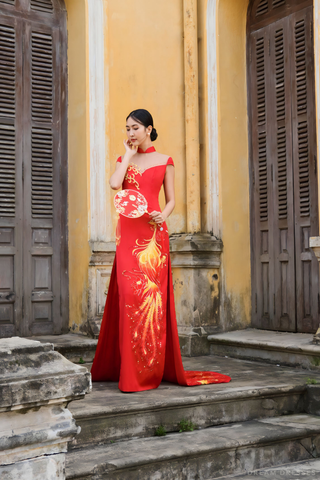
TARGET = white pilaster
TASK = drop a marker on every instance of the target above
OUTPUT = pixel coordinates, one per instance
(99, 211)
(213, 220)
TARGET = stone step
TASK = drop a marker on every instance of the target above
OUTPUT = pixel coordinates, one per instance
(76, 348)
(256, 391)
(309, 469)
(282, 348)
(206, 454)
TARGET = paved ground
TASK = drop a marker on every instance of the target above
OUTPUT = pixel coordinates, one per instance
(253, 377)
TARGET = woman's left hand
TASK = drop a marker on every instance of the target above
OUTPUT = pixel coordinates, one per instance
(157, 217)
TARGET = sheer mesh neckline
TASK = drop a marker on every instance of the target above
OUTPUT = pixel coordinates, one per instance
(154, 159)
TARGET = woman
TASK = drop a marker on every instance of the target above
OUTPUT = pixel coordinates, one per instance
(138, 343)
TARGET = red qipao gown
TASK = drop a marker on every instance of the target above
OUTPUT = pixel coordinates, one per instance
(138, 344)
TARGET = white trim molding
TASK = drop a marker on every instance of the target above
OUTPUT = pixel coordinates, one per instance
(213, 220)
(99, 217)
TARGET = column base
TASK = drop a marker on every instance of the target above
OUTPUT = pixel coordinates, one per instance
(194, 343)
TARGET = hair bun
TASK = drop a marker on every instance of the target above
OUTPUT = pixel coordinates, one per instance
(153, 134)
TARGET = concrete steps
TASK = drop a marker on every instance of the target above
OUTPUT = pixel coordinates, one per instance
(253, 422)
(254, 392)
(205, 454)
(76, 348)
(309, 469)
(264, 418)
(294, 349)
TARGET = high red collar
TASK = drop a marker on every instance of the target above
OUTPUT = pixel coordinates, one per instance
(149, 150)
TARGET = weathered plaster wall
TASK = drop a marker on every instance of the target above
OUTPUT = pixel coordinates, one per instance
(224, 149)
(146, 70)
(79, 252)
(234, 170)
(144, 67)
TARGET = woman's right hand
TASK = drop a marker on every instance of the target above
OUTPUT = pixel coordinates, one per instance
(131, 150)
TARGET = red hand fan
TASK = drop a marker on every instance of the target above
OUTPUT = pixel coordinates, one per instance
(130, 203)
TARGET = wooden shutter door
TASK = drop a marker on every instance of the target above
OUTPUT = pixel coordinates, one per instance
(280, 161)
(10, 176)
(262, 209)
(41, 179)
(43, 228)
(33, 189)
(284, 197)
(305, 164)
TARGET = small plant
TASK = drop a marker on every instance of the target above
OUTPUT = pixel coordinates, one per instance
(311, 381)
(81, 360)
(186, 426)
(111, 441)
(160, 431)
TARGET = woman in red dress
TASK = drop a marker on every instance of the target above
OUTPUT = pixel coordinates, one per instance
(138, 344)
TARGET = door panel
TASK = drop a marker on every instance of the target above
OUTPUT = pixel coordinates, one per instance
(263, 238)
(304, 164)
(280, 162)
(284, 199)
(42, 183)
(33, 175)
(10, 177)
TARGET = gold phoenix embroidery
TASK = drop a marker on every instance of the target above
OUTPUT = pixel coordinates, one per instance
(147, 315)
(130, 177)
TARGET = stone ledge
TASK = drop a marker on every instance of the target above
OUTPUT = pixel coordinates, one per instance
(72, 346)
(207, 453)
(32, 374)
(197, 242)
(102, 247)
(273, 347)
(36, 383)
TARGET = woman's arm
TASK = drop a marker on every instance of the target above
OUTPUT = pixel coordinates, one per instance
(117, 178)
(160, 217)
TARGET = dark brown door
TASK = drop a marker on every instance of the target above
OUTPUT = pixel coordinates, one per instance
(33, 159)
(284, 199)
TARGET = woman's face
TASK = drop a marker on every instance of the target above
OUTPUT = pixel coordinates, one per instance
(136, 132)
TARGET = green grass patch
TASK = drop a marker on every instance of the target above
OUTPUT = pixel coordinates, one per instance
(311, 381)
(160, 431)
(186, 426)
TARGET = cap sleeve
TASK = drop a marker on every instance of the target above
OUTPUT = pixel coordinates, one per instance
(119, 160)
(170, 162)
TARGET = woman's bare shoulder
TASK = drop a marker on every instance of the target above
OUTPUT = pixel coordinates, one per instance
(163, 158)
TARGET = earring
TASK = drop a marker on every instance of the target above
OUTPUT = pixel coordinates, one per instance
(148, 133)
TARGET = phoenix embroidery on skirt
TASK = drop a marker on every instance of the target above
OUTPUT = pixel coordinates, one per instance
(147, 313)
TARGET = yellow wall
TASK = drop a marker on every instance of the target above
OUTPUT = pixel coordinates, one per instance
(234, 191)
(146, 70)
(233, 153)
(79, 252)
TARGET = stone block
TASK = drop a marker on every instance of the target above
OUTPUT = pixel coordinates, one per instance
(36, 384)
(49, 468)
(195, 263)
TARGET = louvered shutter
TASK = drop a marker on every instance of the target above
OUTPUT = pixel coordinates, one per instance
(34, 184)
(282, 176)
(42, 179)
(10, 178)
(305, 164)
(284, 200)
(262, 241)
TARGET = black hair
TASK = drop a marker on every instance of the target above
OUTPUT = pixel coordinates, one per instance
(144, 118)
